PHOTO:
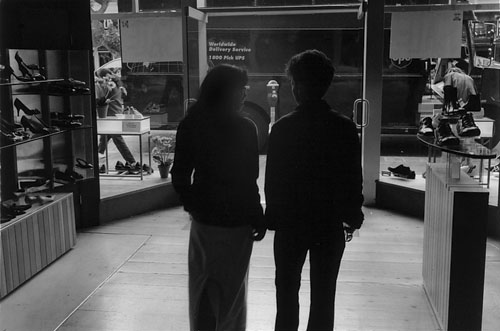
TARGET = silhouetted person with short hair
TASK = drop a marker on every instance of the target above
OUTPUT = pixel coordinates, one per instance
(313, 186)
(215, 173)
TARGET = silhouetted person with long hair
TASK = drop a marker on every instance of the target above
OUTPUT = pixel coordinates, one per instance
(313, 186)
(215, 170)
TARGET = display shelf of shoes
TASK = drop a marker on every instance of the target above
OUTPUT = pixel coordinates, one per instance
(43, 136)
(34, 82)
(62, 98)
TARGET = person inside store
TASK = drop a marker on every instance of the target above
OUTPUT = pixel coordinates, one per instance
(215, 171)
(115, 106)
(313, 193)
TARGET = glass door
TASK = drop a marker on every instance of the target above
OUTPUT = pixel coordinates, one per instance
(195, 53)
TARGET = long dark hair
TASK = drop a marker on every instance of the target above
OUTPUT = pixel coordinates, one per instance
(217, 86)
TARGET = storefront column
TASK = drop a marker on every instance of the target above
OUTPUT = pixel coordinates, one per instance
(372, 91)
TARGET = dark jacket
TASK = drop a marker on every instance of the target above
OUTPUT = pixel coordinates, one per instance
(313, 173)
(116, 104)
(222, 152)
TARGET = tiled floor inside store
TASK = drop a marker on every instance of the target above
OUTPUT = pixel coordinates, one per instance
(132, 275)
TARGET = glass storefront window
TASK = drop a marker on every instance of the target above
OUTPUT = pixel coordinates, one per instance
(421, 95)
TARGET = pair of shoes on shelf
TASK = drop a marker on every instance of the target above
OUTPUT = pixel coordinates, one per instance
(402, 172)
(66, 120)
(132, 168)
(466, 127)
(127, 166)
(68, 86)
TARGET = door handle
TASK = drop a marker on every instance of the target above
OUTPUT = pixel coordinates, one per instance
(366, 112)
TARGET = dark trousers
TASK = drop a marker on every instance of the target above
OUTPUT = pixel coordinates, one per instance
(325, 254)
(119, 143)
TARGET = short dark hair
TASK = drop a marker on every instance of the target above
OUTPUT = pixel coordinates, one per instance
(103, 72)
(313, 69)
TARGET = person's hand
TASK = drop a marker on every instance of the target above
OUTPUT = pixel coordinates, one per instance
(348, 231)
(259, 233)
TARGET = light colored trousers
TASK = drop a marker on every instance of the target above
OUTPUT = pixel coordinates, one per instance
(218, 276)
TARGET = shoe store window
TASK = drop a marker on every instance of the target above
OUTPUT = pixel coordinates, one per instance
(136, 92)
(453, 101)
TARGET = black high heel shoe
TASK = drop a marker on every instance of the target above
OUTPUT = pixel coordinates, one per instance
(21, 106)
(35, 127)
(10, 72)
(25, 69)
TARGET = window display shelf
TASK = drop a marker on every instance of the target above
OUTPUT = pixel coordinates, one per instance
(34, 82)
(35, 207)
(471, 150)
(35, 137)
(52, 94)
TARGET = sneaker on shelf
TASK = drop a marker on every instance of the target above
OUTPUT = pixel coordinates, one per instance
(445, 136)
(120, 166)
(426, 127)
(402, 171)
(466, 127)
(147, 169)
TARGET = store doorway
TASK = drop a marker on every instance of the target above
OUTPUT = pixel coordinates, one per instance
(263, 39)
